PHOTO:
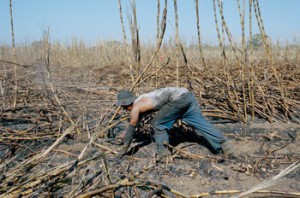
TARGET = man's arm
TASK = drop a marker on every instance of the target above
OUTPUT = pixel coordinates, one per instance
(140, 106)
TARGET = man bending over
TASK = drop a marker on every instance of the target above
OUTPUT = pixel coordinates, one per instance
(171, 104)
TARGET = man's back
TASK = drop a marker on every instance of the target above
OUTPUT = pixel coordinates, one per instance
(161, 96)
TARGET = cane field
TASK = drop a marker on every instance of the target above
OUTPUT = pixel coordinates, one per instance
(59, 125)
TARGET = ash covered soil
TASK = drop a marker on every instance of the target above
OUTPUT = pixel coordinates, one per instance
(263, 150)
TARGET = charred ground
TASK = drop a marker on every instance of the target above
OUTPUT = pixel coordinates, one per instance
(44, 154)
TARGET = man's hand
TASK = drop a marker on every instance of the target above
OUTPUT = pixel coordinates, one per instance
(126, 140)
(129, 135)
(122, 151)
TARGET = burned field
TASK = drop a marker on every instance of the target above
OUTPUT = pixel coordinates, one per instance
(59, 126)
(60, 140)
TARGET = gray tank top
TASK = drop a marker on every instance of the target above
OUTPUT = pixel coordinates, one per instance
(161, 96)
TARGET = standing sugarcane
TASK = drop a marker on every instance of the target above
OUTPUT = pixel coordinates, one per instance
(14, 53)
(199, 35)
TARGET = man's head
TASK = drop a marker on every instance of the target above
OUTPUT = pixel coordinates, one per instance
(125, 99)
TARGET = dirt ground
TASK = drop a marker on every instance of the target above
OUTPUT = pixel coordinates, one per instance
(263, 150)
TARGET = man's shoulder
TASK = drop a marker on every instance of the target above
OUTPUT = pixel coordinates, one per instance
(144, 104)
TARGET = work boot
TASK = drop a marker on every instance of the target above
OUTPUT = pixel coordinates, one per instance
(162, 153)
(228, 150)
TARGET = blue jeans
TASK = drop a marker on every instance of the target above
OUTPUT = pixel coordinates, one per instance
(186, 108)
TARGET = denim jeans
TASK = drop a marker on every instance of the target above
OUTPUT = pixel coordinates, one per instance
(186, 108)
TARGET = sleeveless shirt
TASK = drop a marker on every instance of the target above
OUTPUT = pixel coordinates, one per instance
(161, 96)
